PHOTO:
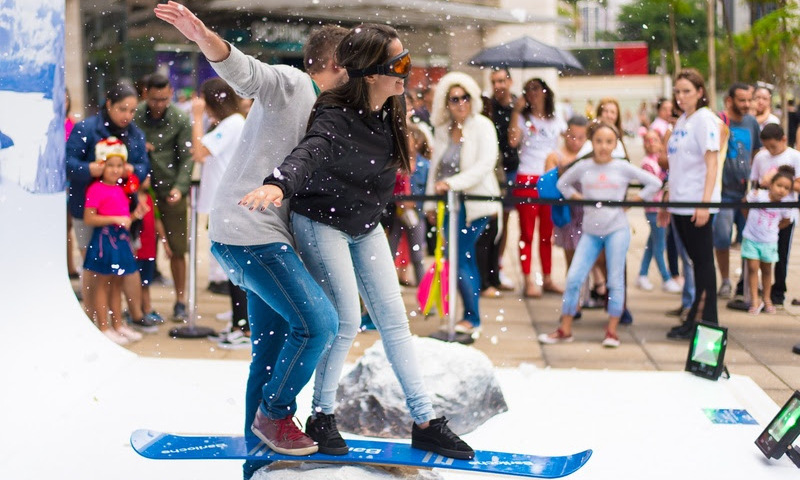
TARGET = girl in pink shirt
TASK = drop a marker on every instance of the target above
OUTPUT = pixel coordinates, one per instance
(109, 255)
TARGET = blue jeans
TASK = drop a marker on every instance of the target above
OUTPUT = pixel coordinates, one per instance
(722, 227)
(656, 246)
(589, 247)
(292, 323)
(687, 296)
(345, 267)
(469, 277)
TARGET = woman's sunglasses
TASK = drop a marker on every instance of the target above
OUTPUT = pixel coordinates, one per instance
(397, 66)
(455, 99)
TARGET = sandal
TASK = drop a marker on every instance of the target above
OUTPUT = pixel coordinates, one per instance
(755, 310)
(770, 308)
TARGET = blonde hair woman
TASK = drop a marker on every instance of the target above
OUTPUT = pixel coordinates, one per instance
(465, 153)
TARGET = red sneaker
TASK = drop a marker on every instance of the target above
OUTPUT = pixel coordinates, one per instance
(283, 435)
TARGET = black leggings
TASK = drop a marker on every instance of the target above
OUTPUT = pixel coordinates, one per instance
(239, 306)
(700, 248)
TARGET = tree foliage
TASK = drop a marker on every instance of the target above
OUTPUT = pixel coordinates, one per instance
(648, 21)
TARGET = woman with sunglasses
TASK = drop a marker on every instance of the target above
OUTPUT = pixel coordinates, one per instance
(465, 153)
(340, 178)
(535, 129)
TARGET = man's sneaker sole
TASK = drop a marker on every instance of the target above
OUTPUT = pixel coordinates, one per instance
(430, 447)
(299, 452)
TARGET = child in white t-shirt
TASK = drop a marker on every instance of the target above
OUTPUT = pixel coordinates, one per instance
(776, 152)
(760, 236)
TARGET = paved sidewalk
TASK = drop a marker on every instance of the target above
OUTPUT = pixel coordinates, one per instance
(759, 347)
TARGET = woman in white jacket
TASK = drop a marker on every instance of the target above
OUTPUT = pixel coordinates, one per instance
(465, 154)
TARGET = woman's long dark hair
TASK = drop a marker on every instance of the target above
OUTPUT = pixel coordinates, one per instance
(367, 45)
(549, 98)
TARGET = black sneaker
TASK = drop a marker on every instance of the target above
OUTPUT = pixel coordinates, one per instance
(738, 304)
(144, 324)
(682, 332)
(322, 429)
(179, 313)
(220, 288)
(440, 439)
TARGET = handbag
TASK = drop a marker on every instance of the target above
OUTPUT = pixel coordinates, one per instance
(434, 288)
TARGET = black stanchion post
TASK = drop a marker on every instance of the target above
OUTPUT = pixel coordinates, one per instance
(191, 330)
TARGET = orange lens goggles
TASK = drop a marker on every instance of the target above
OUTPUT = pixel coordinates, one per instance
(397, 66)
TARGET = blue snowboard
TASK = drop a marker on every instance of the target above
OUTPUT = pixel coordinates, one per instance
(158, 445)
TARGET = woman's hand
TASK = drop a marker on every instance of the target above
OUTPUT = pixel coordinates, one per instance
(430, 215)
(198, 107)
(261, 197)
(96, 169)
(140, 210)
(520, 103)
(700, 217)
(123, 221)
(441, 187)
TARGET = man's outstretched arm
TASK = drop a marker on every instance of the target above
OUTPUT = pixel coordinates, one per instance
(212, 45)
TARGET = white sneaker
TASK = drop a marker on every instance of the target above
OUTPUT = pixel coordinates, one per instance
(671, 286)
(234, 340)
(130, 334)
(643, 283)
(506, 283)
(225, 316)
(115, 337)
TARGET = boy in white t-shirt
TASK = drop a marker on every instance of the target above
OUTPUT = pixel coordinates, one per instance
(775, 153)
(760, 236)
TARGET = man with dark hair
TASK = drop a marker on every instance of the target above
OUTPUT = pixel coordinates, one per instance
(500, 108)
(169, 136)
(291, 319)
(743, 143)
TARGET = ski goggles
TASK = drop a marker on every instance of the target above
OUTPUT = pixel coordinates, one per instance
(398, 66)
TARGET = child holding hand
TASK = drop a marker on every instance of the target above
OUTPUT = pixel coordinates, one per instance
(109, 256)
(760, 236)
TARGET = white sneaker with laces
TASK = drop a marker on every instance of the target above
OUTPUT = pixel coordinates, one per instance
(643, 283)
(129, 333)
(234, 340)
(671, 286)
(115, 337)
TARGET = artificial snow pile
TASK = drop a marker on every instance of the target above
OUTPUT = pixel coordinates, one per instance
(327, 471)
(460, 381)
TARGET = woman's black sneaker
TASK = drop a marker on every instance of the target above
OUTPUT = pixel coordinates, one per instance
(322, 429)
(440, 439)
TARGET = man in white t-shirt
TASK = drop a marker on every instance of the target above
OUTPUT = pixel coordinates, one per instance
(776, 152)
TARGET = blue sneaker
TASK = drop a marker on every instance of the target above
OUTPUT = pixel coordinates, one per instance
(626, 318)
(366, 323)
(155, 317)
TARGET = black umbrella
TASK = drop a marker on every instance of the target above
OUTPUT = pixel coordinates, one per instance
(526, 52)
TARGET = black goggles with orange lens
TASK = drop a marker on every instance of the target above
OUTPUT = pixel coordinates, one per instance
(398, 66)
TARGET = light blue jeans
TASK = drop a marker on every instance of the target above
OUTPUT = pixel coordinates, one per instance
(345, 267)
(589, 247)
(469, 277)
(656, 246)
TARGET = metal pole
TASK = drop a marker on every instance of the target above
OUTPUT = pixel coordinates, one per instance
(191, 330)
(453, 207)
